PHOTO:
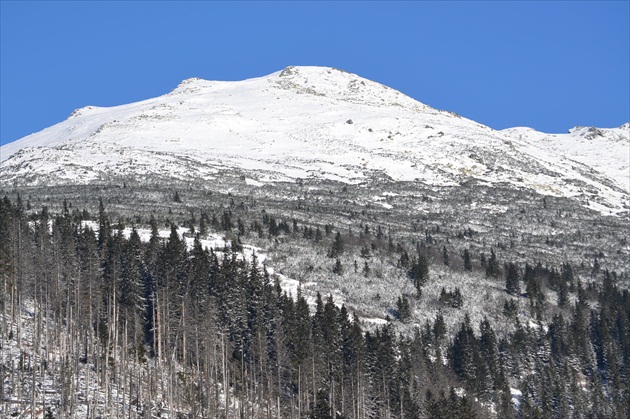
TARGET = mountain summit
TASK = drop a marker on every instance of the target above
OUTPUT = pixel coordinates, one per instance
(301, 123)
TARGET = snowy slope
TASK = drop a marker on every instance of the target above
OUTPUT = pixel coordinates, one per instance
(301, 122)
(606, 150)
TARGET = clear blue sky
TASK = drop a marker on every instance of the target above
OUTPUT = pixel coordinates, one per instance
(548, 65)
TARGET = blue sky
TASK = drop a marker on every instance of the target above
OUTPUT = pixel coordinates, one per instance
(548, 65)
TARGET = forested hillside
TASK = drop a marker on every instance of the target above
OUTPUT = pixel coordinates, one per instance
(99, 319)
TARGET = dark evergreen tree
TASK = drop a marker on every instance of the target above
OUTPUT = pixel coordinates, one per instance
(132, 287)
(445, 256)
(338, 268)
(596, 268)
(318, 234)
(337, 247)
(104, 229)
(403, 309)
(366, 269)
(404, 261)
(365, 252)
(512, 284)
(467, 260)
(419, 272)
(321, 408)
(439, 329)
(492, 267)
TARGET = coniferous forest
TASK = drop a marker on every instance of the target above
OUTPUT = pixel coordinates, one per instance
(97, 321)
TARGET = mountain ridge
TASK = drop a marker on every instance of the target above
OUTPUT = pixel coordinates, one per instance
(303, 122)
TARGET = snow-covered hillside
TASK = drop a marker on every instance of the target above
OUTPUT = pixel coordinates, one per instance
(606, 150)
(305, 122)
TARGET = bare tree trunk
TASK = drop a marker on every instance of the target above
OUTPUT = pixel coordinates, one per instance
(34, 353)
(183, 331)
(226, 378)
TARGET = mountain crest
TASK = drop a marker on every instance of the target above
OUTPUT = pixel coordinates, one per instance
(307, 122)
(341, 85)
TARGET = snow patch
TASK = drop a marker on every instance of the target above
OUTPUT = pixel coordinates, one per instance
(253, 182)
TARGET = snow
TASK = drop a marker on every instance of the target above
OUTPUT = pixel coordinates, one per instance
(516, 396)
(253, 182)
(375, 320)
(606, 150)
(314, 122)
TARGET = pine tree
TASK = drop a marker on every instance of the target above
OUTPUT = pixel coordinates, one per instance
(132, 285)
(104, 230)
(467, 261)
(404, 309)
(337, 247)
(318, 234)
(199, 274)
(489, 352)
(365, 252)
(492, 266)
(467, 361)
(404, 261)
(419, 272)
(439, 329)
(366, 269)
(512, 285)
(321, 409)
(596, 268)
(303, 338)
(338, 268)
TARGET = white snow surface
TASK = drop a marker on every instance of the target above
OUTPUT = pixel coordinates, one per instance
(606, 150)
(312, 122)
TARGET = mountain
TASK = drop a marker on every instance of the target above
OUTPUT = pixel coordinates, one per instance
(311, 244)
(311, 123)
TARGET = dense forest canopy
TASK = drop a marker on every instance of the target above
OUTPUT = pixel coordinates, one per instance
(121, 326)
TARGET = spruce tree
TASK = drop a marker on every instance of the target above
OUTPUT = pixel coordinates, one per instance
(337, 247)
(338, 268)
(467, 261)
(492, 266)
(132, 276)
(512, 285)
(419, 272)
(403, 308)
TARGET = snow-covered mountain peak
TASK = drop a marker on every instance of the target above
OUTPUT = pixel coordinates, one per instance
(302, 122)
(193, 85)
(336, 84)
(324, 83)
(82, 111)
